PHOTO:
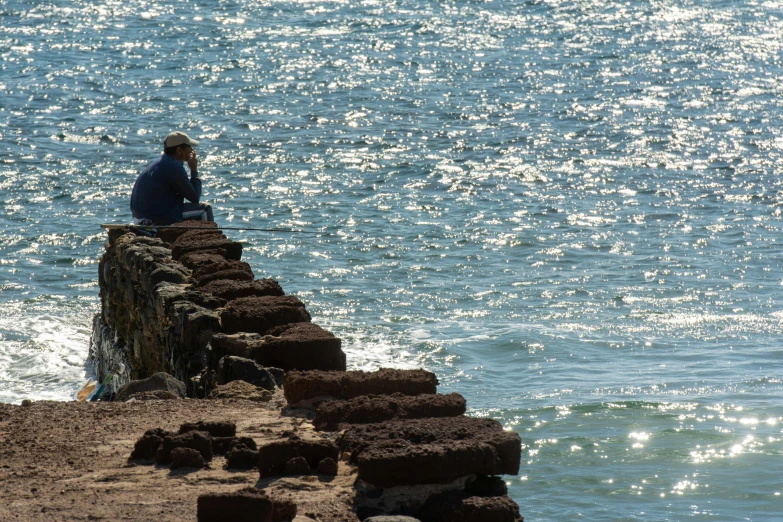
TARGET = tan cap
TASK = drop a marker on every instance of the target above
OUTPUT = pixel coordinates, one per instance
(178, 138)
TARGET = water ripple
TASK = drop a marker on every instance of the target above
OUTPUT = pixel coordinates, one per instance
(551, 204)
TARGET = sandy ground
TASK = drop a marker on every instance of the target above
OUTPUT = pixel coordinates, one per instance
(69, 461)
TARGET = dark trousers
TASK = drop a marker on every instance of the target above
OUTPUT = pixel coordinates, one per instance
(197, 211)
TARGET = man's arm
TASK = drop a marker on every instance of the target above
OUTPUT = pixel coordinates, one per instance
(191, 189)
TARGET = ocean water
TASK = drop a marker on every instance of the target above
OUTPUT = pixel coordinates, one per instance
(571, 211)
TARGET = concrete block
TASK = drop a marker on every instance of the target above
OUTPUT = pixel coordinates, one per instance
(304, 387)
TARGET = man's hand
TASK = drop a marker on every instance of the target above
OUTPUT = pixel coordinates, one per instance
(193, 161)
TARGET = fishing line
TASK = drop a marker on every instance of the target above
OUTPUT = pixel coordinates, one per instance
(179, 227)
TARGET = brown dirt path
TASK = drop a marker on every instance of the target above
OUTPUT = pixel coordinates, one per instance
(67, 461)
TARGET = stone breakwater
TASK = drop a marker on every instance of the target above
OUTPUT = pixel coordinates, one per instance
(184, 304)
(178, 303)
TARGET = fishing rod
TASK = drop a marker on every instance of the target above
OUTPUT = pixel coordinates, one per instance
(108, 226)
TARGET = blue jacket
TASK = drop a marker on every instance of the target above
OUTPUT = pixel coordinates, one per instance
(160, 191)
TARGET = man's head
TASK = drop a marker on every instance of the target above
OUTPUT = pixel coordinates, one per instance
(178, 144)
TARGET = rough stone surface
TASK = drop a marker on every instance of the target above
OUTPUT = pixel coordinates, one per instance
(202, 262)
(451, 507)
(79, 451)
(284, 510)
(203, 265)
(305, 386)
(197, 440)
(241, 457)
(399, 462)
(158, 314)
(157, 395)
(327, 467)
(232, 249)
(147, 446)
(192, 326)
(248, 442)
(248, 505)
(198, 234)
(131, 273)
(166, 296)
(278, 374)
(331, 415)
(296, 466)
(419, 451)
(186, 458)
(274, 456)
(165, 273)
(427, 431)
(231, 290)
(222, 445)
(160, 382)
(232, 368)
(485, 486)
(302, 346)
(227, 275)
(241, 390)
(170, 235)
(260, 314)
(214, 429)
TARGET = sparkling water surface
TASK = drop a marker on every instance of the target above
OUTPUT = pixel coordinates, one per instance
(569, 210)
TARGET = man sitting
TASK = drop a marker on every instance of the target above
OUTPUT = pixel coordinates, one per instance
(160, 190)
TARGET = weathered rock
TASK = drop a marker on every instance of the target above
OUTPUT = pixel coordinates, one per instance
(170, 235)
(159, 382)
(147, 446)
(303, 346)
(241, 390)
(190, 331)
(241, 457)
(231, 290)
(299, 346)
(141, 256)
(233, 344)
(214, 429)
(198, 234)
(232, 368)
(284, 510)
(428, 431)
(399, 462)
(245, 441)
(260, 314)
(484, 486)
(166, 295)
(156, 395)
(278, 374)
(222, 445)
(274, 456)
(192, 326)
(204, 262)
(327, 467)
(331, 415)
(186, 458)
(197, 440)
(225, 275)
(302, 387)
(452, 507)
(248, 505)
(420, 451)
(166, 273)
(296, 466)
(232, 249)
